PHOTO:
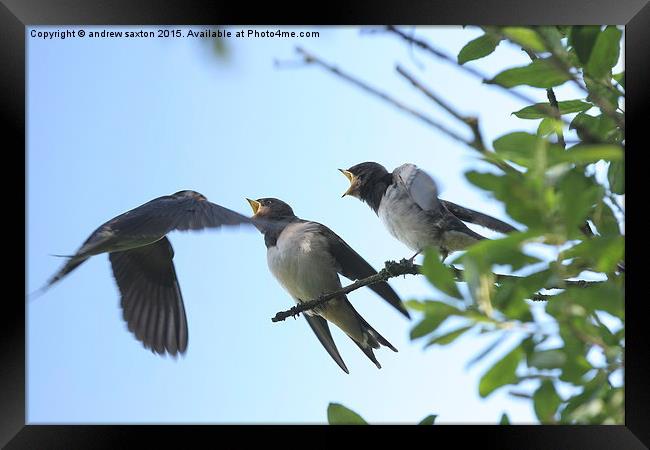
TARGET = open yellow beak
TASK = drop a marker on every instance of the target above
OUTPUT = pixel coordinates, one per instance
(350, 176)
(255, 205)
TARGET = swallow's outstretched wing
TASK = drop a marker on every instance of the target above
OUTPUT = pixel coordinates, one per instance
(184, 210)
(152, 303)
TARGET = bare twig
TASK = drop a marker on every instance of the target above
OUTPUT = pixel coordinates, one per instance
(469, 69)
(471, 122)
(394, 269)
(484, 78)
(552, 100)
(312, 59)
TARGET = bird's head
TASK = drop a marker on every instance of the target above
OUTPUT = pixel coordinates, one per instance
(363, 177)
(270, 209)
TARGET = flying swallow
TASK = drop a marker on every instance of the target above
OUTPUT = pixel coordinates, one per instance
(141, 259)
(306, 258)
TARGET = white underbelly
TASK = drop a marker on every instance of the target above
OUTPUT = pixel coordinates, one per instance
(302, 264)
(406, 221)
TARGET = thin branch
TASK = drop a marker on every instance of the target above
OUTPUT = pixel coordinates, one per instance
(484, 78)
(312, 59)
(471, 122)
(551, 99)
(394, 269)
(559, 58)
(469, 69)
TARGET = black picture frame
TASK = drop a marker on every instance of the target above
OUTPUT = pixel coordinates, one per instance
(15, 15)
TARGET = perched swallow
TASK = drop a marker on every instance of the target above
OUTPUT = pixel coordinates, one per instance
(141, 258)
(407, 202)
(306, 258)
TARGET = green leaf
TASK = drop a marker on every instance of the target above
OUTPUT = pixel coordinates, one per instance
(593, 388)
(602, 92)
(577, 194)
(478, 48)
(616, 177)
(516, 142)
(587, 154)
(547, 359)
(338, 414)
(582, 39)
(526, 37)
(512, 292)
(605, 52)
(542, 110)
(546, 402)
(448, 338)
(428, 420)
(606, 296)
(487, 181)
(504, 419)
(529, 150)
(435, 314)
(620, 79)
(506, 250)
(438, 274)
(502, 373)
(602, 253)
(540, 73)
(601, 127)
(549, 125)
(520, 198)
(605, 220)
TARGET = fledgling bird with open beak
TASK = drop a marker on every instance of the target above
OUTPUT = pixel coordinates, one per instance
(306, 258)
(406, 200)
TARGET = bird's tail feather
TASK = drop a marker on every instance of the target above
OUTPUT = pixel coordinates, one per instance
(369, 353)
(478, 218)
(374, 338)
(69, 266)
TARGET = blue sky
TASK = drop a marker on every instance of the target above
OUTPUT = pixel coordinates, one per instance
(113, 123)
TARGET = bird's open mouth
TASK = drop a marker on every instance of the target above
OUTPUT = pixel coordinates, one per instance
(353, 182)
(255, 205)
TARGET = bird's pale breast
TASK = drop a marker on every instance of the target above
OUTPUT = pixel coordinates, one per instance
(301, 262)
(406, 221)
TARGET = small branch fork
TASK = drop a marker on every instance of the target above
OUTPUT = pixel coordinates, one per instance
(312, 59)
(477, 143)
(425, 46)
(394, 269)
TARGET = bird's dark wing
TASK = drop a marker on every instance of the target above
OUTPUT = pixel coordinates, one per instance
(152, 303)
(322, 331)
(471, 216)
(184, 210)
(420, 186)
(351, 265)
